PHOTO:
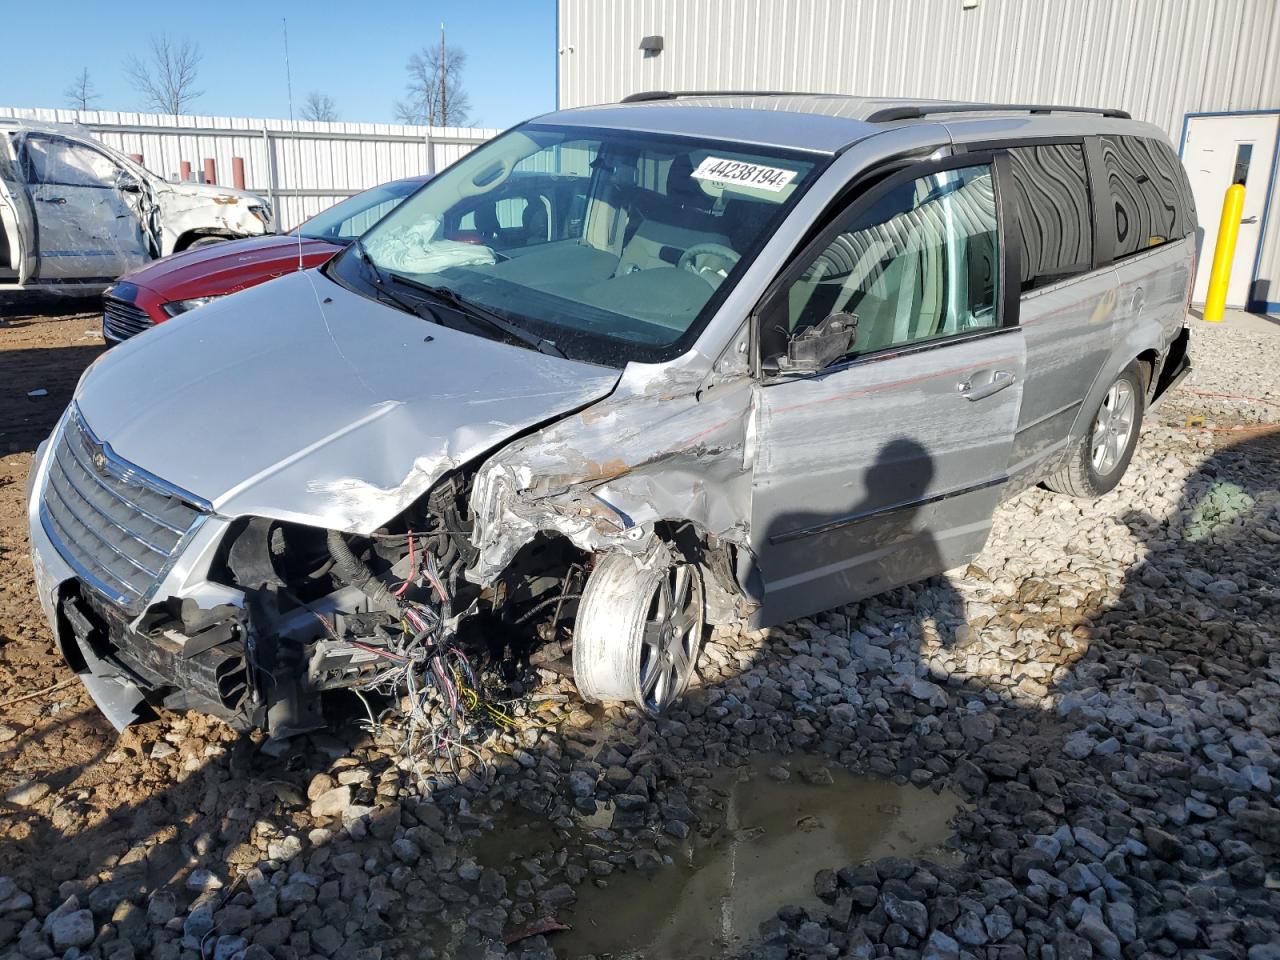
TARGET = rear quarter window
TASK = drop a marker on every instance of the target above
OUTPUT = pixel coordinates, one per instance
(1055, 227)
(1150, 199)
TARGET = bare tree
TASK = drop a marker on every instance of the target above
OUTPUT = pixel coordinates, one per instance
(319, 106)
(81, 92)
(167, 78)
(434, 93)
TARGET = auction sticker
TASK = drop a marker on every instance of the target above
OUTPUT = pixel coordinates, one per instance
(741, 173)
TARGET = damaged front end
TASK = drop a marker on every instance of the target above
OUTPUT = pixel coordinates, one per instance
(388, 613)
(280, 613)
(653, 459)
(408, 536)
(183, 211)
(463, 590)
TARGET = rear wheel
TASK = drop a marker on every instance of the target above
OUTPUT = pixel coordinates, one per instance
(638, 630)
(1103, 454)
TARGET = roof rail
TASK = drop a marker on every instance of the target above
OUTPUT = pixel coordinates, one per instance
(648, 95)
(917, 112)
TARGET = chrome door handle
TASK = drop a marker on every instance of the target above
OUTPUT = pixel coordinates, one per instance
(1249, 220)
(977, 391)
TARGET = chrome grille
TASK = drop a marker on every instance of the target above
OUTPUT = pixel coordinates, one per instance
(122, 319)
(116, 525)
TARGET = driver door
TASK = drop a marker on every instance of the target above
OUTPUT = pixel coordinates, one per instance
(86, 227)
(884, 467)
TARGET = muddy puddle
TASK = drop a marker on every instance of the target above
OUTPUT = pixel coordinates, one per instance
(728, 877)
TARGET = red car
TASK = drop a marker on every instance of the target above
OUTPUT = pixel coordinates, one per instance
(186, 280)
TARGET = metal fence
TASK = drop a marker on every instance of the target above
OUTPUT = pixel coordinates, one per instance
(301, 166)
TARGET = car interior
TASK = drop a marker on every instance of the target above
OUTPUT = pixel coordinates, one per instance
(918, 264)
(620, 237)
(656, 243)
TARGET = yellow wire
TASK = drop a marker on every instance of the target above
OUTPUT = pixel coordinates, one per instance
(497, 714)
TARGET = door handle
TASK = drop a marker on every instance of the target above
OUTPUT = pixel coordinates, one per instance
(1249, 220)
(52, 199)
(977, 391)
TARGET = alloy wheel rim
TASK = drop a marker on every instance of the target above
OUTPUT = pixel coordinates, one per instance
(1112, 428)
(670, 641)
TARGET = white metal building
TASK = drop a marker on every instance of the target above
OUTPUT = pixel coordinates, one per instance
(1207, 71)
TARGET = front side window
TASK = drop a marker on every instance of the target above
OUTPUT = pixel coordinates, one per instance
(67, 164)
(1147, 196)
(1055, 227)
(611, 245)
(920, 263)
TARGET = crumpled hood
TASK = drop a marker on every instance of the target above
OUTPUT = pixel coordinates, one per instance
(303, 401)
(203, 207)
(207, 191)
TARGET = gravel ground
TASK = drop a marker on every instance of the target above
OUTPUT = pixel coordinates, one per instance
(1100, 687)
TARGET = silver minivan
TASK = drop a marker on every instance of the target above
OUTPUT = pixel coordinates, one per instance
(621, 373)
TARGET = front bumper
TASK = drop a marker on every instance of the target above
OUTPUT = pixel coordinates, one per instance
(90, 632)
(120, 700)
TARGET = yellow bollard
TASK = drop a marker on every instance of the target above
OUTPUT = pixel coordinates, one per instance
(1215, 298)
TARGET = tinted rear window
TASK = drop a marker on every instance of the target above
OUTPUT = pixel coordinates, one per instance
(1170, 169)
(1150, 200)
(1056, 231)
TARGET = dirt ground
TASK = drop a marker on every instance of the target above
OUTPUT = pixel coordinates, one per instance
(57, 738)
(42, 355)
(167, 797)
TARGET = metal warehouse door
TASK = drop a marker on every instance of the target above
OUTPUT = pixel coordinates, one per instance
(1217, 152)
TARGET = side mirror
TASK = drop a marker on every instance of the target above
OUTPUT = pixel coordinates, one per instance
(817, 347)
(127, 183)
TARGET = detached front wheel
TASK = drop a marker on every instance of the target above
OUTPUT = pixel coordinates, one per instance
(638, 631)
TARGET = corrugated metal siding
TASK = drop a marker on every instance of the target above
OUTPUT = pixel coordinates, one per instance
(304, 166)
(1158, 59)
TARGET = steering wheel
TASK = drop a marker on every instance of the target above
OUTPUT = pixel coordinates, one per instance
(713, 275)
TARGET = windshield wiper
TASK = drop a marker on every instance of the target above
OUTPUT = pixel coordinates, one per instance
(475, 312)
(385, 292)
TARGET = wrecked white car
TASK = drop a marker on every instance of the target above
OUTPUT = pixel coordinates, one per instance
(620, 373)
(76, 214)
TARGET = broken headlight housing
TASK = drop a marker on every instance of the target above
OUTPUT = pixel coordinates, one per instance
(263, 212)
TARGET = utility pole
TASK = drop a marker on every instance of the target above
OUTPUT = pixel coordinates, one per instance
(444, 74)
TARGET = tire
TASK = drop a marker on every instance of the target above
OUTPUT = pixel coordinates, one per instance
(638, 630)
(1103, 453)
(205, 242)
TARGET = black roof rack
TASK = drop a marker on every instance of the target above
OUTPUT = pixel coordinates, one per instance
(919, 111)
(676, 94)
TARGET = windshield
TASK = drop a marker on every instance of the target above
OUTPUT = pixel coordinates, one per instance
(345, 221)
(611, 245)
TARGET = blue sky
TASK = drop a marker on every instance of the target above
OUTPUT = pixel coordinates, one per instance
(353, 51)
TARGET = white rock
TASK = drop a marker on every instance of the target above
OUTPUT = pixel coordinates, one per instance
(27, 793)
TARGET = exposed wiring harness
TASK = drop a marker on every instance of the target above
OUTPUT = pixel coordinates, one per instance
(439, 707)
